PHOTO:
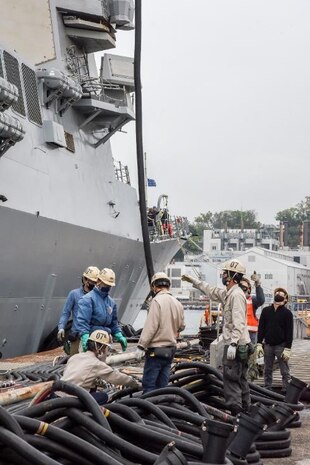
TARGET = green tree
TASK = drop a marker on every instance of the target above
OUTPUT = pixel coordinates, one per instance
(231, 219)
(293, 218)
(234, 219)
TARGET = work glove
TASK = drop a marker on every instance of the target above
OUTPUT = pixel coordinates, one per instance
(286, 354)
(256, 279)
(133, 383)
(189, 279)
(251, 348)
(122, 340)
(231, 352)
(259, 350)
(61, 335)
(84, 340)
(139, 352)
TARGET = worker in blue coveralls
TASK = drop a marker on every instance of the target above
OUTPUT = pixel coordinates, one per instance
(97, 310)
(70, 309)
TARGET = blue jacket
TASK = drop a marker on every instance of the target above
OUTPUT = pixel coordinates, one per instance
(97, 310)
(71, 307)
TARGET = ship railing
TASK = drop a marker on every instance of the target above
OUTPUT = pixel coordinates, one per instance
(105, 92)
(171, 228)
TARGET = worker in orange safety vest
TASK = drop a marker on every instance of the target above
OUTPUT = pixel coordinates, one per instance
(253, 303)
(205, 317)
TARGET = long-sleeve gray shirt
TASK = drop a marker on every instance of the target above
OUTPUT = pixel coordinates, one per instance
(234, 311)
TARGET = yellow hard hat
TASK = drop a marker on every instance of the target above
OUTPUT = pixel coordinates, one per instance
(101, 337)
(234, 266)
(160, 278)
(107, 276)
(91, 273)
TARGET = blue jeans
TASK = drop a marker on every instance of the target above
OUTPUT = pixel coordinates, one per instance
(156, 373)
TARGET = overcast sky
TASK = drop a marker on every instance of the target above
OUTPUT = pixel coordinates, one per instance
(226, 104)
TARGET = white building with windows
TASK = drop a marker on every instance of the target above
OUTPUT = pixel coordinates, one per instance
(275, 268)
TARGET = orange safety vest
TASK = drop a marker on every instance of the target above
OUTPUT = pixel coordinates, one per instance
(252, 321)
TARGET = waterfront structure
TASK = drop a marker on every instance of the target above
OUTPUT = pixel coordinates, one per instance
(276, 266)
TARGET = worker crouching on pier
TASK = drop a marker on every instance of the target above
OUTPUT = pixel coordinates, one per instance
(85, 368)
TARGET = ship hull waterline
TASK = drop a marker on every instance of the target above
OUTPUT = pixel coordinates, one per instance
(42, 260)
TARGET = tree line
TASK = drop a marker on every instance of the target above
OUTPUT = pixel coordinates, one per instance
(293, 217)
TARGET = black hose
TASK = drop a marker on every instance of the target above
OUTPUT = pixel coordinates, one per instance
(141, 435)
(189, 429)
(88, 401)
(167, 399)
(125, 412)
(67, 439)
(150, 408)
(173, 432)
(53, 415)
(82, 433)
(182, 393)
(112, 439)
(24, 449)
(52, 447)
(48, 405)
(183, 381)
(190, 372)
(188, 416)
(139, 141)
(9, 422)
(217, 413)
(203, 366)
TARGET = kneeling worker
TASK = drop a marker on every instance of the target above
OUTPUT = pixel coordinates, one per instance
(84, 368)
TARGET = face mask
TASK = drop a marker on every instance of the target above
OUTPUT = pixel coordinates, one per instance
(102, 356)
(279, 298)
(225, 280)
(91, 286)
(105, 289)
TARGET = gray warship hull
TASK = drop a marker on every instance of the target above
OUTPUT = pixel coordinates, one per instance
(63, 207)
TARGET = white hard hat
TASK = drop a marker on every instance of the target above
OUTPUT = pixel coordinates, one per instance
(234, 265)
(91, 273)
(160, 277)
(101, 337)
(107, 276)
(281, 289)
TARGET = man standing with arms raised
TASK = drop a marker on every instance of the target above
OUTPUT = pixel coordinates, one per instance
(235, 333)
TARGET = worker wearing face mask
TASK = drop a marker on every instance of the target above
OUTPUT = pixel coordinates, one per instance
(235, 334)
(253, 303)
(70, 309)
(85, 368)
(275, 329)
(97, 310)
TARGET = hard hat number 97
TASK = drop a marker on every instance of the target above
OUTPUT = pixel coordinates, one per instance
(234, 264)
